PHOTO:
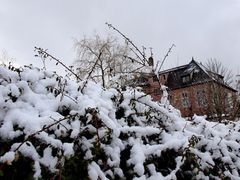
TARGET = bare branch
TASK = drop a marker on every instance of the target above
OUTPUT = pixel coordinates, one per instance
(165, 57)
(215, 66)
(129, 41)
(44, 128)
(99, 56)
(44, 54)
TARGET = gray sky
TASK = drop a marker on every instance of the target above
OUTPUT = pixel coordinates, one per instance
(203, 29)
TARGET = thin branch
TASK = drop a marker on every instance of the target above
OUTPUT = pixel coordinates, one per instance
(132, 59)
(165, 57)
(128, 40)
(99, 56)
(59, 123)
(135, 53)
(64, 94)
(44, 54)
(43, 129)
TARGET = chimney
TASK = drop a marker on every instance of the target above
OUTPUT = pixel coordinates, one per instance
(150, 61)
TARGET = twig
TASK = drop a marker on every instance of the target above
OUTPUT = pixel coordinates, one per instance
(64, 85)
(59, 123)
(43, 129)
(216, 125)
(184, 127)
(91, 71)
(133, 60)
(165, 57)
(128, 40)
(44, 54)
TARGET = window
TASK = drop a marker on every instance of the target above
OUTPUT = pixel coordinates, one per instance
(228, 100)
(164, 77)
(185, 101)
(142, 80)
(170, 97)
(201, 98)
(157, 91)
(186, 79)
(155, 78)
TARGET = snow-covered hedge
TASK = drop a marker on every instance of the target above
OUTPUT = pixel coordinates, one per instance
(49, 129)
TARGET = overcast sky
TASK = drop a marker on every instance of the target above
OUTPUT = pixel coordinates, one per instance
(202, 29)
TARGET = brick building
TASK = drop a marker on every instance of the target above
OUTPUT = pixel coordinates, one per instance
(193, 90)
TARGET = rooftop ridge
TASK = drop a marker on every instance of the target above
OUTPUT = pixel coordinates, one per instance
(174, 69)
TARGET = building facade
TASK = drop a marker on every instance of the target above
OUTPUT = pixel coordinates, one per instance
(194, 90)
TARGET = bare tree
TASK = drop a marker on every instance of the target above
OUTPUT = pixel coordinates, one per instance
(101, 59)
(215, 66)
(237, 84)
(224, 102)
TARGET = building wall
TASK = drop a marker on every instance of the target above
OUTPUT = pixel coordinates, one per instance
(226, 100)
(153, 88)
(188, 99)
(177, 100)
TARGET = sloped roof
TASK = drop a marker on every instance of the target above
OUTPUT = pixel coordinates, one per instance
(197, 73)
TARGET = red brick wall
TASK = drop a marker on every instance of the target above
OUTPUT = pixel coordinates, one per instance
(193, 108)
(209, 108)
(176, 97)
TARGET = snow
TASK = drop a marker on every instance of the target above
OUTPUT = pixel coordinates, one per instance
(37, 170)
(164, 98)
(8, 157)
(48, 160)
(95, 172)
(126, 126)
(137, 158)
(68, 149)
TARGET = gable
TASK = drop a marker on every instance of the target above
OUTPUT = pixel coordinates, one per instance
(190, 74)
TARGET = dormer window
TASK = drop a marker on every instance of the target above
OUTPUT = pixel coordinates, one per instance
(164, 77)
(142, 81)
(186, 79)
(157, 91)
(155, 78)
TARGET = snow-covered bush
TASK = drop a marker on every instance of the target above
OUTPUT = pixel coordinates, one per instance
(52, 127)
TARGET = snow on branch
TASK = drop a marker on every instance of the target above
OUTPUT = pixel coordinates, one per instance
(49, 129)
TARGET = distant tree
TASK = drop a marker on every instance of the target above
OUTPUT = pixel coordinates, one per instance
(217, 67)
(101, 59)
(224, 103)
(237, 84)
